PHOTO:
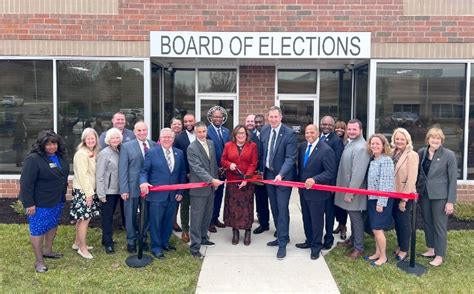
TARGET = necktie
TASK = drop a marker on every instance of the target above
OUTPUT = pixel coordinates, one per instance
(206, 148)
(145, 148)
(323, 137)
(168, 160)
(272, 147)
(306, 155)
(219, 134)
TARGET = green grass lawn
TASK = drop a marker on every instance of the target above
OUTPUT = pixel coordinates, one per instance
(179, 272)
(454, 276)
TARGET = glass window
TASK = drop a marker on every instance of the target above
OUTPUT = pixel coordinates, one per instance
(26, 107)
(434, 94)
(297, 81)
(361, 94)
(335, 94)
(90, 92)
(470, 147)
(228, 105)
(180, 89)
(297, 115)
(217, 81)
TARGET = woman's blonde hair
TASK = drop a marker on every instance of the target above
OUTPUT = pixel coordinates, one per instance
(386, 147)
(435, 132)
(407, 135)
(112, 132)
(85, 134)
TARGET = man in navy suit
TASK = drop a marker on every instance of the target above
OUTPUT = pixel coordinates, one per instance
(335, 142)
(279, 158)
(316, 165)
(182, 142)
(131, 161)
(219, 135)
(164, 165)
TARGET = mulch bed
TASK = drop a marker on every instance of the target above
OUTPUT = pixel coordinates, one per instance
(9, 216)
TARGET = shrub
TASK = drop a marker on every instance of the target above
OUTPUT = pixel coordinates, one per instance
(464, 211)
(18, 207)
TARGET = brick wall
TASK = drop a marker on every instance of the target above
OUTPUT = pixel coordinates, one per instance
(256, 90)
(132, 20)
(9, 189)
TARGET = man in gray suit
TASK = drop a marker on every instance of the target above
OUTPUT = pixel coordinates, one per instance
(203, 168)
(130, 163)
(351, 174)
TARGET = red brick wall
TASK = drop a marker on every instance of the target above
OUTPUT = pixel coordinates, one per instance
(256, 90)
(136, 18)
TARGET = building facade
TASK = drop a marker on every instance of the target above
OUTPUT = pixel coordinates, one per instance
(70, 64)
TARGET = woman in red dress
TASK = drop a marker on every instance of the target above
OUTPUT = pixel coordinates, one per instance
(239, 159)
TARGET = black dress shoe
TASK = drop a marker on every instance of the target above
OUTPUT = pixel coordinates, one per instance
(53, 255)
(131, 248)
(169, 248)
(314, 255)
(219, 224)
(260, 230)
(273, 243)
(281, 253)
(212, 228)
(208, 243)
(275, 234)
(197, 255)
(327, 246)
(159, 255)
(302, 245)
(109, 249)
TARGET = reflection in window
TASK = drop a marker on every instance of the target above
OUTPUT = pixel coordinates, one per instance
(297, 81)
(361, 94)
(26, 107)
(335, 94)
(297, 115)
(179, 94)
(436, 95)
(90, 92)
(217, 81)
(470, 144)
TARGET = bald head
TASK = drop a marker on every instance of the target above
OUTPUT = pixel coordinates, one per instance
(250, 122)
(327, 124)
(311, 133)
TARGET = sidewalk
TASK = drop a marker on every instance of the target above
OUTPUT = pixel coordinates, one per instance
(231, 268)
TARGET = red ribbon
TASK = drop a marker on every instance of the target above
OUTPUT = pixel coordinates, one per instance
(291, 185)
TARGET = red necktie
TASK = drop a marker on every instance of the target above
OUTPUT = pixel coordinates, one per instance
(145, 148)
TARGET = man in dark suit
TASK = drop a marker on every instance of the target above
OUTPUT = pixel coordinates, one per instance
(182, 142)
(280, 148)
(334, 141)
(203, 168)
(130, 163)
(261, 197)
(163, 165)
(316, 165)
(219, 135)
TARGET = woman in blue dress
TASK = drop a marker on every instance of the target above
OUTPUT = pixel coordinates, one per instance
(43, 186)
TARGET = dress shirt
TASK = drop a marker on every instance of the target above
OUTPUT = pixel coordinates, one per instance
(277, 131)
(171, 156)
(204, 145)
(191, 136)
(142, 148)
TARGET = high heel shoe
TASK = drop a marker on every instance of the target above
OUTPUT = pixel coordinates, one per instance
(247, 238)
(86, 256)
(235, 236)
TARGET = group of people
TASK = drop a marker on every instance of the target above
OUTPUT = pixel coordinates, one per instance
(122, 165)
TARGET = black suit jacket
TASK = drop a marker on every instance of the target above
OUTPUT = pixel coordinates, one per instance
(42, 183)
(335, 142)
(256, 140)
(321, 166)
(182, 142)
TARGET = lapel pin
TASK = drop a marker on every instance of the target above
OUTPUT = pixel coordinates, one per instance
(437, 158)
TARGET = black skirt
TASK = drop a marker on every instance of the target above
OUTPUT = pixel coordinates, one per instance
(380, 220)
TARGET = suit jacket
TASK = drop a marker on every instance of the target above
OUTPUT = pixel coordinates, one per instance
(321, 166)
(335, 142)
(218, 145)
(42, 183)
(246, 161)
(352, 174)
(406, 172)
(286, 148)
(182, 142)
(155, 171)
(130, 164)
(202, 168)
(254, 138)
(441, 180)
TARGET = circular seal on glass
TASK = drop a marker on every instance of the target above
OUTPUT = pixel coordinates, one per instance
(221, 109)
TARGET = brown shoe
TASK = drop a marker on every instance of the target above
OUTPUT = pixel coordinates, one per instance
(235, 237)
(355, 254)
(219, 224)
(345, 244)
(185, 237)
(212, 228)
(247, 238)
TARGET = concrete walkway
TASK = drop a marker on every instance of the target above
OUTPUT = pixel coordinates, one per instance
(231, 268)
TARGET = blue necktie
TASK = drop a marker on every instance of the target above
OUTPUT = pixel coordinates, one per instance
(306, 155)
